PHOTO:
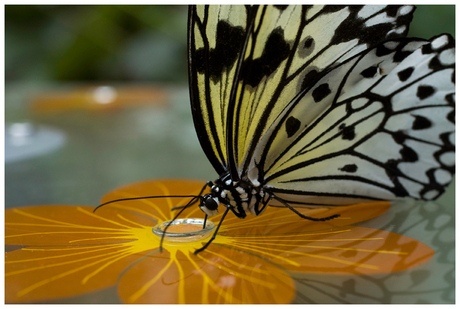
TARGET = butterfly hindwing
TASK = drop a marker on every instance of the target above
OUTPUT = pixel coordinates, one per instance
(247, 63)
(380, 126)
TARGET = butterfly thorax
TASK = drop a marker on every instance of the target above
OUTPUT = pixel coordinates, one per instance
(242, 196)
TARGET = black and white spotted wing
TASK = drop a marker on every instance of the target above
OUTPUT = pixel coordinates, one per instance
(381, 126)
(306, 104)
(248, 62)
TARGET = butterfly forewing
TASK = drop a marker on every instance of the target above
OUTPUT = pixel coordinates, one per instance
(247, 63)
(216, 35)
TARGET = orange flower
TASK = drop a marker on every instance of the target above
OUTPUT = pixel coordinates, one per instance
(69, 250)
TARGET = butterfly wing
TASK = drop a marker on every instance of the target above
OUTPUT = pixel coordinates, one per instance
(247, 63)
(214, 48)
(380, 126)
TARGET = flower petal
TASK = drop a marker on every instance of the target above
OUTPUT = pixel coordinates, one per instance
(344, 250)
(67, 225)
(42, 273)
(74, 250)
(217, 275)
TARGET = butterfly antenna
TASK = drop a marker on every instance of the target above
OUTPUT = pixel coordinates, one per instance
(192, 201)
(208, 184)
(302, 215)
(215, 232)
(141, 197)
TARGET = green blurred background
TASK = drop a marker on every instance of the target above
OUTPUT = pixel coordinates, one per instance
(124, 43)
(90, 43)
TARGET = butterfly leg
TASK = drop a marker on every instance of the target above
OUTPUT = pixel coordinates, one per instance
(257, 210)
(302, 215)
(215, 232)
(182, 208)
(204, 222)
(169, 223)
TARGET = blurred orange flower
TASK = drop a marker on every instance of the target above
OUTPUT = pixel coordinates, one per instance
(69, 250)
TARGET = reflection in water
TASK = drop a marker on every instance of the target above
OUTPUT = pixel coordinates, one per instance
(433, 282)
(24, 140)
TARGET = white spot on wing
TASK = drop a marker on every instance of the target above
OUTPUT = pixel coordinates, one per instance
(442, 176)
(382, 18)
(405, 10)
(369, 10)
(452, 138)
(439, 42)
(411, 46)
(448, 158)
(399, 30)
(358, 103)
(391, 45)
(447, 57)
(430, 194)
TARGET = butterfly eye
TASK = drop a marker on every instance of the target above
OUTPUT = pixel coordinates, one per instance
(210, 203)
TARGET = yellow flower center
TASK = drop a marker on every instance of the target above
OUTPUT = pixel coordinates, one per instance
(183, 234)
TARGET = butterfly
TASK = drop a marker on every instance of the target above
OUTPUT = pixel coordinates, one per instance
(318, 106)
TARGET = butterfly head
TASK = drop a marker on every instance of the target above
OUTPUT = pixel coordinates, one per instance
(209, 204)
